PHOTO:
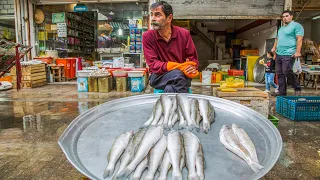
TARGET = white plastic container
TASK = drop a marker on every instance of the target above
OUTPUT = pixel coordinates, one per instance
(119, 73)
(206, 77)
(135, 73)
(84, 73)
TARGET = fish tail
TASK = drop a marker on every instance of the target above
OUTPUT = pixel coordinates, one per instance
(193, 126)
(256, 167)
(206, 127)
(108, 171)
(183, 126)
(176, 176)
(193, 177)
(126, 172)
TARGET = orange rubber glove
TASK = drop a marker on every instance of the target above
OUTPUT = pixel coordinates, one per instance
(182, 67)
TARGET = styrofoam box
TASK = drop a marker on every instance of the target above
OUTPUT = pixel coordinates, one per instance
(135, 73)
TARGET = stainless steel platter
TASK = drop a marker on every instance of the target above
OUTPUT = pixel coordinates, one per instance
(89, 137)
(259, 71)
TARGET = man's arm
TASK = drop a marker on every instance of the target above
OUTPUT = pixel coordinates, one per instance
(299, 46)
(191, 54)
(155, 65)
(191, 51)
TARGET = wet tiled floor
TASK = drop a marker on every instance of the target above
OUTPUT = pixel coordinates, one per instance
(29, 149)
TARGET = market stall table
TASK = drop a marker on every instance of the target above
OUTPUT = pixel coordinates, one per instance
(314, 74)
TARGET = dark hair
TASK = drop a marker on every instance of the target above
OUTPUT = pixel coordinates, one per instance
(288, 11)
(271, 53)
(166, 8)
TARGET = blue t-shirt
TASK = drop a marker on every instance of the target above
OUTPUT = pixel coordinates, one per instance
(287, 41)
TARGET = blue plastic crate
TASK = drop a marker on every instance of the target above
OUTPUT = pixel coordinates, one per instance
(299, 108)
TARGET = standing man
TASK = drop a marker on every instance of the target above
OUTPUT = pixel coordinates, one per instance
(169, 52)
(288, 47)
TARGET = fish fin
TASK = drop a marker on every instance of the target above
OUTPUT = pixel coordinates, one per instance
(108, 172)
(256, 167)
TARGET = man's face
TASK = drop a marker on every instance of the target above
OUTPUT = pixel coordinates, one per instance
(159, 19)
(286, 18)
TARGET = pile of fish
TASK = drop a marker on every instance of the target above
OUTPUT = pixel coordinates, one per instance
(131, 154)
(149, 153)
(189, 112)
(236, 140)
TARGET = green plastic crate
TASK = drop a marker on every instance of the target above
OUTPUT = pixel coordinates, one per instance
(274, 120)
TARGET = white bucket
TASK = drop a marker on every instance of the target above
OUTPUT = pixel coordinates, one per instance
(206, 77)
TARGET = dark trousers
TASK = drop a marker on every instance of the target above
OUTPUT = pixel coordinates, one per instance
(171, 82)
(284, 65)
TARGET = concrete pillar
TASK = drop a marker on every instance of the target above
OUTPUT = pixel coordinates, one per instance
(288, 5)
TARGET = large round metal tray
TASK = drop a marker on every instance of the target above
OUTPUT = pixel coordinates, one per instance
(259, 70)
(89, 137)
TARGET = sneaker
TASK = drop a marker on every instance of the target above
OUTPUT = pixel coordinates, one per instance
(266, 91)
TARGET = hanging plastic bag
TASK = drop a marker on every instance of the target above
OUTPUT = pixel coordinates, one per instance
(297, 66)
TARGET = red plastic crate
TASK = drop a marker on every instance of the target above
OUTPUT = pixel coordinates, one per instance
(235, 72)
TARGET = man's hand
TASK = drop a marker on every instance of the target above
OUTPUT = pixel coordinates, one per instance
(273, 49)
(296, 55)
(191, 69)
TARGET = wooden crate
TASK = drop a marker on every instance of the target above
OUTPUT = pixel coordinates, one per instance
(29, 69)
(250, 97)
(32, 84)
(242, 92)
(31, 77)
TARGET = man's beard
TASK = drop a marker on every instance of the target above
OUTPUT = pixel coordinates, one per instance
(156, 25)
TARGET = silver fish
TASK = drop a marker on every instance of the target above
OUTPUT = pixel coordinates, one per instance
(157, 113)
(182, 159)
(245, 141)
(152, 136)
(195, 113)
(149, 121)
(164, 166)
(200, 163)
(184, 104)
(172, 111)
(173, 120)
(183, 123)
(155, 157)
(161, 121)
(191, 146)
(232, 143)
(207, 113)
(166, 106)
(130, 150)
(118, 147)
(175, 146)
(117, 166)
(136, 175)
